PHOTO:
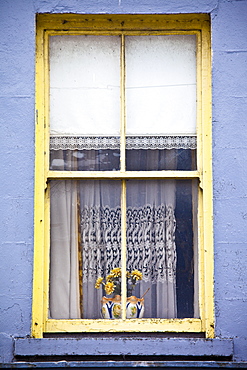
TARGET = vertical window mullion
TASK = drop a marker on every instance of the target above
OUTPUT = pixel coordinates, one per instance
(122, 169)
(122, 107)
(123, 248)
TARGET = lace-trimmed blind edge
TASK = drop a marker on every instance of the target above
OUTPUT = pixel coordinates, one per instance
(113, 142)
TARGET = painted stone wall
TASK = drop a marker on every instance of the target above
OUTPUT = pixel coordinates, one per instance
(17, 115)
(229, 44)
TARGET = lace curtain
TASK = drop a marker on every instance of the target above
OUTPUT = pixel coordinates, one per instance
(150, 241)
(86, 226)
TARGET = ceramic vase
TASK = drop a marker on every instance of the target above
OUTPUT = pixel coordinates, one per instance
(111, 307)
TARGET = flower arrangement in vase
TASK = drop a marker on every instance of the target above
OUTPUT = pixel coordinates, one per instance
(111, 307)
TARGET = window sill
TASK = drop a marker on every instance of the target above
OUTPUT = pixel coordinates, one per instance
(140, 348)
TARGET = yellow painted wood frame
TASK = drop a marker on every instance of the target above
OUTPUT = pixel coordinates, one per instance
(64, 24)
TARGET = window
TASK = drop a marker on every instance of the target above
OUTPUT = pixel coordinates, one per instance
(123, 175)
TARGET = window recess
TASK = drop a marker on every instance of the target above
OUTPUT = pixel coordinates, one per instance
(124, 232)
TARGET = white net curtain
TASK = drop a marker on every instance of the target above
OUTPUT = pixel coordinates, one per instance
(86, 221)
(85, 135)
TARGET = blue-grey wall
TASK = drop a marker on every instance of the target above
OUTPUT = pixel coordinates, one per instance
(17, 97)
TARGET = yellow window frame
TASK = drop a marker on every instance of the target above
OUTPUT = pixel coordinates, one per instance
(64, 24)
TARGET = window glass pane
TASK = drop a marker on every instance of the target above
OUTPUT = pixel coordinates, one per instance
(186, 239)
(161, 245)
(84, 98)
(85, 160)
(85, 247)
(161, 101)
(161, 84)
(158, 160)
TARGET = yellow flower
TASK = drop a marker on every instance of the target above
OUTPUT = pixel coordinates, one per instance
(136, 275)
(98, 282)
(109, 277)
(116, 272)
(109, 287)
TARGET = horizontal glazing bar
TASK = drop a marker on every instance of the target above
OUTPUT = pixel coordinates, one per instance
(123, 175)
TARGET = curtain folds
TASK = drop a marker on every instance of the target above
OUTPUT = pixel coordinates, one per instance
(87, 215)
(151, 243)
(64, 271)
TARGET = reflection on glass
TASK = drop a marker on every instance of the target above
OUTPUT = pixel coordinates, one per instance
(85, 160)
